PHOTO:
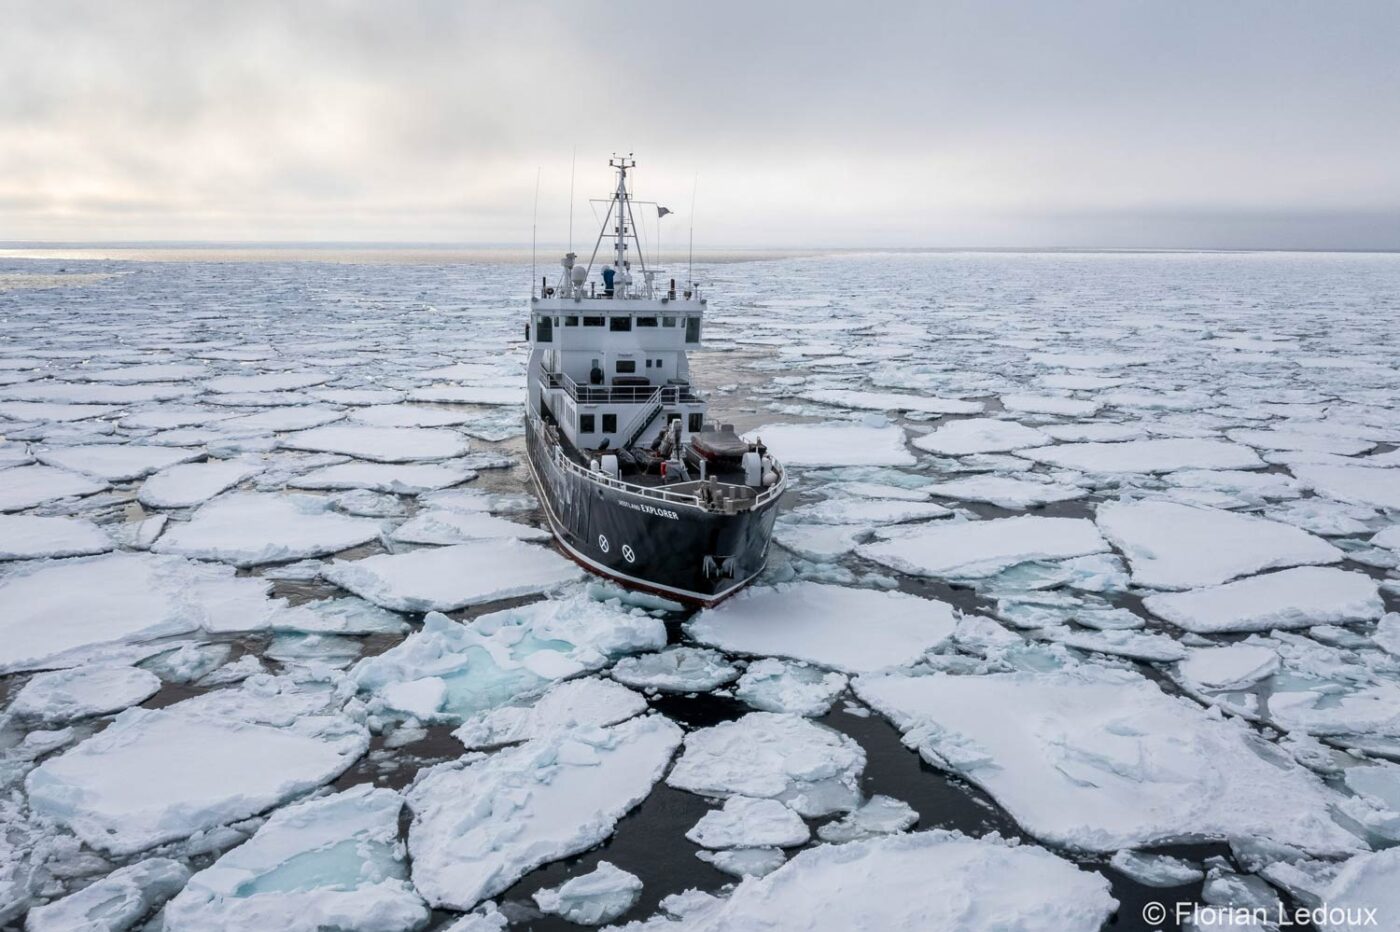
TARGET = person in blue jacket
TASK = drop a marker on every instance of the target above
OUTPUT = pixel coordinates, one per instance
(608, 273)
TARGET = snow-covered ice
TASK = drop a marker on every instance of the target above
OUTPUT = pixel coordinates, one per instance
(809, 767)
(982, 548)
(1156, 870)
(675, 670)
(29, 537)
(600, 896)
(980, 435)
(96, 689)
(1294, 598)
(814, 622)
(771, 685)
(190, 484)
(380, 444)
(835, 444)
(115, 902)
(26, 486)
(328, 863)
(1146, 456)
(1172, 546)
(480, 825)
(878, 815)
(1364, 485)
(1006, 491)
(587, 701)
(114, 462)
(891, 401)
(1099, 760)
(1233, 666)
(399, 478)
(746, 822)
(248, 528)
(442, 526)
(444, 579)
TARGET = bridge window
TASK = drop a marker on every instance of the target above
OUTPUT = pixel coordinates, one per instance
(619, 324)
(668, 321)
(697, 421)
(609, 423)
(646, 321)
(593, 321)
(627, 365)
(570, 321)
(585, 424)
(544, 330)
(692, 330)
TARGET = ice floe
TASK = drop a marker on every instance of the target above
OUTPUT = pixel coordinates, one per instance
(1098, 759)
(1294, 598)
(891, 401)
(1006, 491)
(248, 528)
(480, 825)
(114, 903)
(980, 435)
(115, 462)
(442, 526)
(675, 670)
(1364, 485)
(982, 548)
(399, 478)
(835, 444)
(328, 863)
(812, 622)
(878, 815)
(190, 484)
(587, 701)
(778, 686)
(28, 537)
(381, 444)
(746, 822)
(600, 896)
(1156, 870)
(811, 768)
(1146, 456)
(96, 689)
(26, 486)
(1172, 546)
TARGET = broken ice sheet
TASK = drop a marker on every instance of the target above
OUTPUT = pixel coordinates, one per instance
(248, 528)
(1156, 870)
(812, 622)
(115, 462)
(973, 549)
(442, 526)
(771, 685)
(29, 537)
(878, 815)
(924, 880)
(157, 775)
(190, 484)
(26, 486)
(1017, 492)
(980, 435)
(591, 899)
(333, 862)
(448, 578)
(1292, 598)
(449, 671)
(115, 902)
(746, 822)
(586, 701)
(96, 689)
(481, 824)
(399, 478)
(1146, 456)
(380, 444)
(835, 444)
(809, 767)
(676, 669)
(1100, 759)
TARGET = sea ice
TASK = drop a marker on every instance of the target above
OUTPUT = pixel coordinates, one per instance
(115, 903)
(1366, 882)
(248, 528)
(811, 768)
(746, 822)
(265, 382)
(878, 815)
(328, 863)
(891, 401)
(1099, 759)
(982, 548)
(381, 444)
(481, 824)
(276, 420)
(28, 537)
(820, 543)
(813, 622)
(399, 478)
(1156, 870)
(675, 670)
(781, 686)
(157, 775)
(744, 862)
(448, 578)
(1233, 666)
(115, 462)
(588, 701)
(1171, 546)
(594, 898)
(441, 526)
(190, 484)
(401, 415)
(470, 394)
(97, 689)
(1147, 456)
(980, 435)
(1049, 404)
(834, 444)
(866, 511)
(52, 613)
(451, 671)
(1365, 485)
(26, 486)
(1006, 492)
(927, 880)
(1159, 648)
(1293, 598)
(52, 413)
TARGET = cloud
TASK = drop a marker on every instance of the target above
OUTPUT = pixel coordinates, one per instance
(952, 123)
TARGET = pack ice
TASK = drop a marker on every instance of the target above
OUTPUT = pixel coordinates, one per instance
(248, 528)
(28, 537)
(157, 775)
(328, 863)
(594, 898)
(1099, 759)
(975, 549)
(929, 880)
(1294, 598)
(480, 825)
(835, 444)
(381, 444)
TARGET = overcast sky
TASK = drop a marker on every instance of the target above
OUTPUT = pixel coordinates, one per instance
(1212, 123)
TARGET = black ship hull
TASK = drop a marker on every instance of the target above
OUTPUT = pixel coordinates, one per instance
(693, 555)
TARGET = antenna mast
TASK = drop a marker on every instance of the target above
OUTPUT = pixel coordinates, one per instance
(534, 227)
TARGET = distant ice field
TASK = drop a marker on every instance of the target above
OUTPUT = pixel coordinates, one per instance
(1086, 594)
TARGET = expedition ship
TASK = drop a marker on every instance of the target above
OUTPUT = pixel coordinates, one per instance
(637, 483)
